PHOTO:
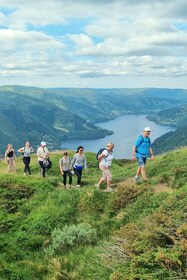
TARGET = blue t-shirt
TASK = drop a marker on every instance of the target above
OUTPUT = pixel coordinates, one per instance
(142, 146)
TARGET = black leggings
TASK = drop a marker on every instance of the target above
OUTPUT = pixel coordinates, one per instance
(67, 173)
(42, 168)
(26, 161)
(78, 173)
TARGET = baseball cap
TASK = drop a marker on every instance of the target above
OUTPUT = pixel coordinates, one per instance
(43, 143)
(147, 129)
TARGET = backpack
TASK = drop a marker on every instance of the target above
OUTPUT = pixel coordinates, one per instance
(100, 152)
(47, 163)
(142, 140)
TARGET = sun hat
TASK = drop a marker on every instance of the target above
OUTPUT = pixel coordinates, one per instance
(43, 143)
(147, 129)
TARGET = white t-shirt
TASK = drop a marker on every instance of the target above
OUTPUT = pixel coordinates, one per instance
(65, 163)
(107, 160)
(42, 152)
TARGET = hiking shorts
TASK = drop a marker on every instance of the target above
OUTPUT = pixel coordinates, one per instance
(141, 161)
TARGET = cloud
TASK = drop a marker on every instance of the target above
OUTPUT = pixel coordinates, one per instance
(93, 42)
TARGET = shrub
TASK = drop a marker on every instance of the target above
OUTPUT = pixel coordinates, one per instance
(71, 236)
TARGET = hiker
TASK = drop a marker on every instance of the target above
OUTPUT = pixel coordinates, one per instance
(10, 158)
(105, 161)
(26, 151)
(65, 168)
(78, 163)
(42, 154)
(141, 151)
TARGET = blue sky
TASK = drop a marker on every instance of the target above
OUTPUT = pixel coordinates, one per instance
(96, 44)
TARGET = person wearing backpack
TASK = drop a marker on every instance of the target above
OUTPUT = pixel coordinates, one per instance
(141, 151)
(42, 154)
(26, 152)
(105, 161)
(78, 163)
(65, 168)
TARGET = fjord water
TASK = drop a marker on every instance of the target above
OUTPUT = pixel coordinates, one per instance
(126, 130)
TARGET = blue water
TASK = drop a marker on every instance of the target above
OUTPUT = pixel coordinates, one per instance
(126, 130)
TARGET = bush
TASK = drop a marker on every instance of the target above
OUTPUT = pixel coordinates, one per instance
(71, 236)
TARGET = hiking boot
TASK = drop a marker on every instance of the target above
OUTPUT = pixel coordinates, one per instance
(78, 186)
(136, 178)
(109, 189)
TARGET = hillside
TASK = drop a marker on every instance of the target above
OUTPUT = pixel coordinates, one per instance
(137, 232)
(176, 117)
(25, 117)
(54, 115)
(171, 141)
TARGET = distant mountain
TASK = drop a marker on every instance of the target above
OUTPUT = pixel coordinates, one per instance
(171, 141)
(59, 114)
(26, 118)
(176, 117)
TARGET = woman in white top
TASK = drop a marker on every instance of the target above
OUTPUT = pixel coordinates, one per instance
(65, 166)
(42, 153)
(105, 161)
(26, 151)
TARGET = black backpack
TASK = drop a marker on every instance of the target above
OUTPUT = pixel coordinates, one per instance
(100, 152)
(47, 163)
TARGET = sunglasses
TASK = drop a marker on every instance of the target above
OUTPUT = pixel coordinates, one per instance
(81, 150)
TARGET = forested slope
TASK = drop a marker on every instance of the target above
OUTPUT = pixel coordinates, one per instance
(54, 115)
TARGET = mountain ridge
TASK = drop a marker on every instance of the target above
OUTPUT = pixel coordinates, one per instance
(54, 115)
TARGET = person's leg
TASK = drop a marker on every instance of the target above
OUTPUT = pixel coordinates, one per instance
(26, 161)
(141, 168)
(25, 165)
(42, 168)
(28, 165)
(12, 165)
(103, 178)
(109, 178)
(78, 173)
(143, 172)
(138, 172)
(64, 177)
(9, 164)
(70, 177)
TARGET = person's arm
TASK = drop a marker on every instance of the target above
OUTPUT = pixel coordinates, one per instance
(14, 154)
(103, 155)
(5, 158)
(46, 152)
(61, 163)
(73, 162)
(85, 163)
(134, 152)
(21, 150)
(151, 152)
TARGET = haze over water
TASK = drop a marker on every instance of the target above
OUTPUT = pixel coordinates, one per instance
(126, 130)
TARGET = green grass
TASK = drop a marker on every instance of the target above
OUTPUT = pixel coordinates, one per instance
(137, 232)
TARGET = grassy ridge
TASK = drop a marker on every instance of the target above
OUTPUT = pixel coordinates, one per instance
(137, 232)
